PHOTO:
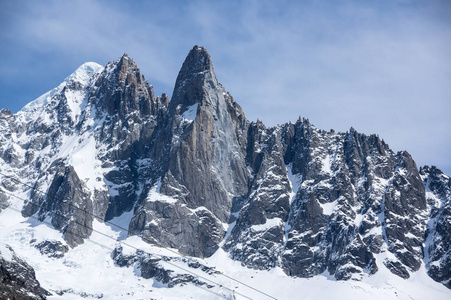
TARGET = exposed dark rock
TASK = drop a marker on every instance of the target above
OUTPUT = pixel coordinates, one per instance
(148, 266)
(54, 249)
(207, 152)
(3, 200)
(257, 237)
(196, 174)
(67, 202)
(438, 235)
(18, 279)
(397, 268)
(195, 233)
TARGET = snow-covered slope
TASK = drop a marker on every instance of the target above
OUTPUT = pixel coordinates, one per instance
(208, 204)
(75, 97)
(90, 272)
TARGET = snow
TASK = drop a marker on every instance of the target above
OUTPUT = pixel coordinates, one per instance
(325, 164)
(295, 182)
(82, 74)
(154, 194)
(88, 271)
(75, 103)
(41, 101)
(358, 219)
(388, 286)
(328, 208)
(228, 228)
(120, 224)
(5, 253)
(83, 159)
(268, 224)
(249, 169)
(190, 113)
(433, 202)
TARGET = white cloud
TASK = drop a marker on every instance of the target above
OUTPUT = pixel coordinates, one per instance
(382, 67)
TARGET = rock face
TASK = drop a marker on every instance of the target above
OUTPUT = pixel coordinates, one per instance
(207, 140)
(148, 266)
(203, 165)
(437, 246)
(197, 175)
(17, 278)
(350, 203)
(66, 202)
(54, 249)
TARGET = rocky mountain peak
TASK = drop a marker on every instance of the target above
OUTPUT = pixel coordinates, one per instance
(5, 112)
(84, 73)
(127, 69)
(122, 89)
(193, 174)
(197, 61)
(196, 75)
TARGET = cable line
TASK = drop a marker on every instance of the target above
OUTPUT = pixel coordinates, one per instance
(129, 232)
(124, 244)
(111, 249)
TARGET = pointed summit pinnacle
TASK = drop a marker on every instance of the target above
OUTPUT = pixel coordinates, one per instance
(126, 62)
(198, 60)
(197, 73)
(196, 63)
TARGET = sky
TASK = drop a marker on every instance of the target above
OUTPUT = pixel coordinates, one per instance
(380, 67)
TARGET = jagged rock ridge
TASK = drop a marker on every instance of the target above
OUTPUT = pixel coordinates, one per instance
(198, 176)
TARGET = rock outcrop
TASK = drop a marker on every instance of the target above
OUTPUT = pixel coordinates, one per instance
(197, 175)
(17, 278)
(438, 234)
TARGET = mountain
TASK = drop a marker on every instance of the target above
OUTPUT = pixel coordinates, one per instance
(169, 190)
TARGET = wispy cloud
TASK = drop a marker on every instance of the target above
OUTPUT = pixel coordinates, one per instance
(382, 67)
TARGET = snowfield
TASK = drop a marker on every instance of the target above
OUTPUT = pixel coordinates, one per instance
(89, 272)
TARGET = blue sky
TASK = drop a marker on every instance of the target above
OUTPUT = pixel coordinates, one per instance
(379, 66)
